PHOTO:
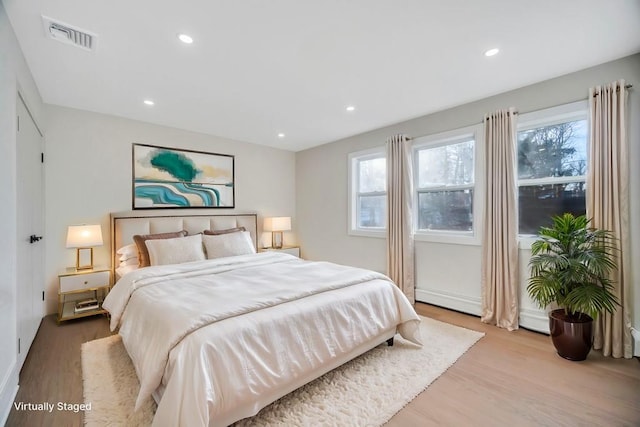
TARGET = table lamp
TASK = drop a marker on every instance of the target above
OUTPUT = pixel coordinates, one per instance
(84, 238)
(277, 225)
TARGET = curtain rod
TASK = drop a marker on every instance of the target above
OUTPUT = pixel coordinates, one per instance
(617, 89)
(409, 138)
(515, 113)
(627, 86)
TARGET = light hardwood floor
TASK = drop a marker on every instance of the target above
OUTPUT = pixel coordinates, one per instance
(506, 379)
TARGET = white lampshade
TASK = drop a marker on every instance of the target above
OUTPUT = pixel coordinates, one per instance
(84, 236)
(279, 223)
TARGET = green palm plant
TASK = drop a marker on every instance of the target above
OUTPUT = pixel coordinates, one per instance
(570, 266)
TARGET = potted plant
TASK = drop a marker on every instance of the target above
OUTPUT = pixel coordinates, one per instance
(570, 267)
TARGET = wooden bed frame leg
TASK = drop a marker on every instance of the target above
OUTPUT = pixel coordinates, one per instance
(390, 342)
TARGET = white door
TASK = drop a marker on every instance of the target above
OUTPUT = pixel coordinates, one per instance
(30, 259)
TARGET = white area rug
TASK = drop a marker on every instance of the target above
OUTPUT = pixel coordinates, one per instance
(367, 391)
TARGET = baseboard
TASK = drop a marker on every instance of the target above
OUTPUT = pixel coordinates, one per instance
(636, 341)
(8, 391)
(465, 304)
(536, 320)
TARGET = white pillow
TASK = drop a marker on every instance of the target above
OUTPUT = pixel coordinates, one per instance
(128, 252)
(129, 261)
(122, 270)
(230, 244)
(175, 251)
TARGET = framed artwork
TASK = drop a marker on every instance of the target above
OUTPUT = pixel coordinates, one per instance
(176, 178)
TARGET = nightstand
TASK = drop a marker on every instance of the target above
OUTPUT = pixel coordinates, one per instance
(81, 292)
(292, 250)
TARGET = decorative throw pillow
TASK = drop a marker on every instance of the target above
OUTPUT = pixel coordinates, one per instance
(175, 251)
(227, 231)
(140, 239)
(230, 244)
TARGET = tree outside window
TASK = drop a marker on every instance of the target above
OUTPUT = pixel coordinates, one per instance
(552, 167)
(445, 187)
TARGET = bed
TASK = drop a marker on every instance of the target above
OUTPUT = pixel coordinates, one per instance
(216, 340)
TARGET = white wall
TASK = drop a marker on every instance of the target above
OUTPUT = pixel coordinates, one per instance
(88, 175)
(14, 76)
(448, 274)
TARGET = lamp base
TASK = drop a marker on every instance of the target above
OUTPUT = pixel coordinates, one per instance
(84, 259)
(276, 239)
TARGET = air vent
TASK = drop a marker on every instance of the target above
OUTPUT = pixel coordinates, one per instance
(68, 34)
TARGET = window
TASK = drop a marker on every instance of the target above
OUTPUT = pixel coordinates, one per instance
(368, 174)
(552, 165)
(445, 167)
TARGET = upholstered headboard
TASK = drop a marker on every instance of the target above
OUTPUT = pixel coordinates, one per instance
(125, 225)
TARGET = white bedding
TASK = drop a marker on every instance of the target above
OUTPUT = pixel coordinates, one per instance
(217, 340)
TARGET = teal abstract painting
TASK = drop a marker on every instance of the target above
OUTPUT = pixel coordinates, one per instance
(177, 178)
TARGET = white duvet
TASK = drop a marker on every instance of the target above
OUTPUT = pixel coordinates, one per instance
(217, 340)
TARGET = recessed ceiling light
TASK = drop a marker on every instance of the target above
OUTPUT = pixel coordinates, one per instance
(281, 135)
(149, 102)
(350, 108)
(492, 52)
(185, 38)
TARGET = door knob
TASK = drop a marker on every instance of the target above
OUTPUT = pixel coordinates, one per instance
(33, 238)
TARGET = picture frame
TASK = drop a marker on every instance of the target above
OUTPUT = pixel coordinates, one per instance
(166, 178)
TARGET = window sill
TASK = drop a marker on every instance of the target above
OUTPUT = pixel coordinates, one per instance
(380, 234)
(526, 240)
(468, 239)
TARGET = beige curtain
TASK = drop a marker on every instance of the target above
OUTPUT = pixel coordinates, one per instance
(608, 205)
(499, 243)
(400, 252)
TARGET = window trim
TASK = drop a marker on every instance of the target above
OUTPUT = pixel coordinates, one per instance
(573, 111)
(353, 229)
(474, 236)
(578, 110)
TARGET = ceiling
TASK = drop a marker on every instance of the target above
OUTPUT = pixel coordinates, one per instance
(258, 68)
